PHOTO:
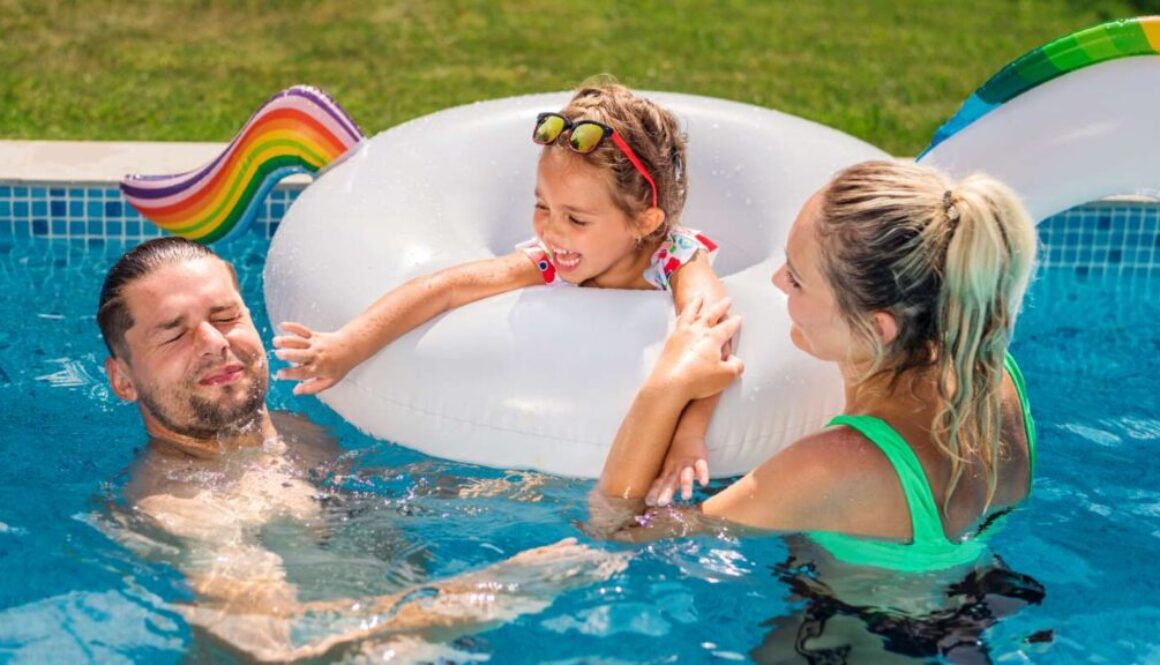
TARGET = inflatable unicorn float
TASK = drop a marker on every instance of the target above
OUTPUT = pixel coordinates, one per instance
(1065, 124)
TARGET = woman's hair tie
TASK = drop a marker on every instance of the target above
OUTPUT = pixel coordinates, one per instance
(949, 207)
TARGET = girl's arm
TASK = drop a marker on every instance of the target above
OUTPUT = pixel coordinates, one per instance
(687, 456)
(322, 359)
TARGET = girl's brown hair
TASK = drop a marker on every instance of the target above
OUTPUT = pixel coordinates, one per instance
(652, 132)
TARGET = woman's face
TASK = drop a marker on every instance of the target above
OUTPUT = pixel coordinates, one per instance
(818, 327)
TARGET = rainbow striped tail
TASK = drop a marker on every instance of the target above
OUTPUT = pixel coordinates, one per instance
(1092, 46)
(299, 130)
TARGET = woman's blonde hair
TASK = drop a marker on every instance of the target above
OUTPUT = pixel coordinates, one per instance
(652, 132)
(950, 262)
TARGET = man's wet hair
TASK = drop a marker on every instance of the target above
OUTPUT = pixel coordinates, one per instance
(113, 315)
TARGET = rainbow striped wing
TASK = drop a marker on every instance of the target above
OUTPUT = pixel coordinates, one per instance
(1109, 41)
(299, 130)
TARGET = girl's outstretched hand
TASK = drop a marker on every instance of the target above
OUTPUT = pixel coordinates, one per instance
(687, 461)
(320, 359)
(695, 361)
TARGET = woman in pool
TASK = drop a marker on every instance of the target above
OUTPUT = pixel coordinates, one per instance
(609, 191)
(911, 284)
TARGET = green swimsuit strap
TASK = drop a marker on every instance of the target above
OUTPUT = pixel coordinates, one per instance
(1025, 406)
(924, 516)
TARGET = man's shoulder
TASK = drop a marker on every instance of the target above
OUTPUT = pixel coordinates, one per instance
(304, 438)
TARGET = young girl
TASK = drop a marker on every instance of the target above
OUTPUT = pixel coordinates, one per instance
(610, 188)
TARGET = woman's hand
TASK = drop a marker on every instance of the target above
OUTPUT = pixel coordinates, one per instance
(685, 462)
(695, 361)
(320, 359)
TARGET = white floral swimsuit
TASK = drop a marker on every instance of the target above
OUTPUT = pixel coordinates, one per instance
(679, 247)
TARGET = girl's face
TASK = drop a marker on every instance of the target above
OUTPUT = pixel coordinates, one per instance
(818, 326)
(590, 237)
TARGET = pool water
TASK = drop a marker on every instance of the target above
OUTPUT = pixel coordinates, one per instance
(1089, 345)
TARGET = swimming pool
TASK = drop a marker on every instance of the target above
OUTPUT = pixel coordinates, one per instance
(1089, 342)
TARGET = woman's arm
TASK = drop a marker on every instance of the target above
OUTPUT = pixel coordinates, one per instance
(690, 367)
(833, 480)
(687, 456)
(322, 359)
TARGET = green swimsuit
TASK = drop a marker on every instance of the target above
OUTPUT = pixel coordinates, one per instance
(929, 549)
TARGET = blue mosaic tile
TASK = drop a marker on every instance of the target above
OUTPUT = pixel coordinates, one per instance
(22, 229)
(1103, 236)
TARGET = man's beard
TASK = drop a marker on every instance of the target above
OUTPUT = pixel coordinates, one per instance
(210, 419)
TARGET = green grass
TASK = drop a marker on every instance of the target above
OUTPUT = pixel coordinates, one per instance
(888, 71)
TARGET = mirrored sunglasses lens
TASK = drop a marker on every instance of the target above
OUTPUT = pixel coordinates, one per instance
(586, 136)
(548, 129)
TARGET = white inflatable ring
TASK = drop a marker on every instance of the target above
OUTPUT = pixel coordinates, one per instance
(540, 378)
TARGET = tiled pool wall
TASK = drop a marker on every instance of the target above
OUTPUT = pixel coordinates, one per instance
(1101, 239)
(100, 212)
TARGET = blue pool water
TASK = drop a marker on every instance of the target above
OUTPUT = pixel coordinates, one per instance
(1088, 343)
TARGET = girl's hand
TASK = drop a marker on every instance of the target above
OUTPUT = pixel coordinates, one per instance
(685, 462)
(695, 361)
(320, 359)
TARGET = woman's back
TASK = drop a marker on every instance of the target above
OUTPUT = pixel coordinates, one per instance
(905, 513)
(968, 504)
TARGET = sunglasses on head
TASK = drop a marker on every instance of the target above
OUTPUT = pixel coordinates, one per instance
(584, 137)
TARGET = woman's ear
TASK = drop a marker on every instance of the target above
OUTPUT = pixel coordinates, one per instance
(648, 221)
(119, 379)
(885, 326)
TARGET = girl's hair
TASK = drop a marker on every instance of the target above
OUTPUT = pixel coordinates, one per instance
(950, 261)
(652, 132)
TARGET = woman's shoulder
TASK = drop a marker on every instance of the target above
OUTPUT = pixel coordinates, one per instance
(831, 480)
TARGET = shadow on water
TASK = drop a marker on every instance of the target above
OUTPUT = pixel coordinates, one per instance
(826, 630)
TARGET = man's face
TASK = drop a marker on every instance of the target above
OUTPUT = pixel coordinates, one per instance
(195, 361)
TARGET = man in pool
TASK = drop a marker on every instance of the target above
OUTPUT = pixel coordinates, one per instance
(218, 466)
